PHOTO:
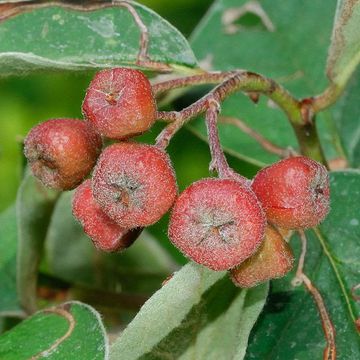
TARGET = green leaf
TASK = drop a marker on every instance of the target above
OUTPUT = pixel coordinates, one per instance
(71, 256)
(185, 319)
(344, 52)
(34, 204)
(287, 51)
(9, 302)
(289, 327)
(346, 115)
(69, 39)
(70, 331)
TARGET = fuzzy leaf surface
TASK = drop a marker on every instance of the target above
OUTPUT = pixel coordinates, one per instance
(70, 331)
(9, 302)
(36, 36)
(290, 327)
(268, 37)
(184, 318)
(34, 205)
(344, 52)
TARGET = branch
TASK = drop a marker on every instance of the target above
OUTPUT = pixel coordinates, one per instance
(249, 82)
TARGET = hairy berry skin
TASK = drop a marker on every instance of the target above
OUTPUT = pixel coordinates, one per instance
(119, 103)
(134, 184)
(274, 259)
(294, 192)
(217, 222)
(104, 232)
(62, 152)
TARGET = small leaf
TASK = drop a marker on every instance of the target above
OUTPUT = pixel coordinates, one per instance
(187, 317)
(72, 256)
(347, 115)
(102, 35)
(9, 302)
(290, 327)
(34, 205)
(344, 52)
(70, 331)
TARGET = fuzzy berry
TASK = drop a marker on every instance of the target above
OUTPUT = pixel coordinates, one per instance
(104, 232)
(217, 222)
(134, 184)
(274, 259)
(294, 192)
(61, 152)
(119, 103)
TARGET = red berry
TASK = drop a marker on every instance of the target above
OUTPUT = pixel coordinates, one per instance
(134, 184)
(274, 259)
(105, 233)
(120, 103)
(294, 192)
(217, 222)
(61, 152)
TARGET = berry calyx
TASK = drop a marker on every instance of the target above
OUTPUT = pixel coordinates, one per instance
(294, 192)
(134, 184)
(119, 103)
(104, 232)
(274, 259)
(62, 152)
(217, 222)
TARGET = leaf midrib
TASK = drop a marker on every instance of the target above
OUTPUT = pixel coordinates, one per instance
(322, 239)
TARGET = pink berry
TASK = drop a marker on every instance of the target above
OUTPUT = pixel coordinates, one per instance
(274, 259)
(217, 222)
(119, 103)
(134, 184)
(294, 192)
(105, 233)
(62, 152)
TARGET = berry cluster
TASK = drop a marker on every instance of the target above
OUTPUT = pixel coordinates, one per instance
(223, 223)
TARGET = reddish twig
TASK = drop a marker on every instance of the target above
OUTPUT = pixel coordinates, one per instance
(200, 79)
(234, 81)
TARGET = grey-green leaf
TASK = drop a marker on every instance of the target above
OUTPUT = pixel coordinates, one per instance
(344, 52)
(71, 256)
(70, 331)
(34, 205)
(9, 302)
(290, 327)
(103, 35)
(185, 319)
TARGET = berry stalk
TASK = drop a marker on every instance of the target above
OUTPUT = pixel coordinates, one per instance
(218, 160)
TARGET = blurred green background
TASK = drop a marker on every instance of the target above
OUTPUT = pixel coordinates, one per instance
(25, 101)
